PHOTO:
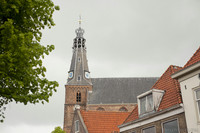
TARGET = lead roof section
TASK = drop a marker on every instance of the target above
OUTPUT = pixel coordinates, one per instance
(119, 90)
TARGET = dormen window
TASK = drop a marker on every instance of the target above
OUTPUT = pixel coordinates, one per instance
(197, 95)
(149, 101)
(77, 126)
(146, 104)
(78, 97)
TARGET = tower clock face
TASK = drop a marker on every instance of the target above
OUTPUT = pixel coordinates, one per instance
(70, 75)
(87, 75)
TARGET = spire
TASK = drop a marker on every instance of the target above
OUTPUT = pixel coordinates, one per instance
(79, 72)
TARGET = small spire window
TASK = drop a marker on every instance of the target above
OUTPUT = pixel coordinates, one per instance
(78, 96)
(79, 78)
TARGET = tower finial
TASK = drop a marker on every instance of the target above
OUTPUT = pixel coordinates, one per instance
(79, 21)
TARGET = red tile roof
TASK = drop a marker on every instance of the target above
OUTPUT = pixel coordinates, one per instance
(133, 116)
(195, 58)
(171, 86)
(103, 121)
(172, 92)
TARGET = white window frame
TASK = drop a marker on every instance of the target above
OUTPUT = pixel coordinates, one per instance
(156, 103)
(76, 126)
(196, 102)
(141, 96)
(176, 119)
(148, 127)
(146, 105)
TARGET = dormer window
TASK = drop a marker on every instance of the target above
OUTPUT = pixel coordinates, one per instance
(146, 103)
(149, 101)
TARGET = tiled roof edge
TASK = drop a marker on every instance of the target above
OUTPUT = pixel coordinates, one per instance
(130, 114)
(191, 58)
(152, 115)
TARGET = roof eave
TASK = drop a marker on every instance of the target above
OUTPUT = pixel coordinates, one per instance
(151, 115)
(186, 70)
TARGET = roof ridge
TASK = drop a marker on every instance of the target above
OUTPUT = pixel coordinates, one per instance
(82, 110)
(187, 64)
(171, 67)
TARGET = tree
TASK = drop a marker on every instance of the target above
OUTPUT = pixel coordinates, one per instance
(22, 75)
(58, 130)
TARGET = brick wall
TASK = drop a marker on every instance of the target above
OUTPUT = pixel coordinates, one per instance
(70, 102)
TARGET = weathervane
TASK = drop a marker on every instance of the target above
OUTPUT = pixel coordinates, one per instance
(79, 21)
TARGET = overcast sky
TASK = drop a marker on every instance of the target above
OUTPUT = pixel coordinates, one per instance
(124, 38)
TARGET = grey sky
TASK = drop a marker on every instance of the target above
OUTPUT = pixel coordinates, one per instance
(124, 38)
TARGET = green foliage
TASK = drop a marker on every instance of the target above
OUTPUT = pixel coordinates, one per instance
(58, 130)
(22, 75)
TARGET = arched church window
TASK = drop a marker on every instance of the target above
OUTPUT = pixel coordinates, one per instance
(78, 96)
(100, 109)
(123, 109)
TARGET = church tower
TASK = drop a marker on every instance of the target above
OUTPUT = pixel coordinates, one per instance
(79, 81)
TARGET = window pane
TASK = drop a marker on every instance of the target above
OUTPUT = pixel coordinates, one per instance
(76, 126)
(149, 103)
(198, 94)
(199, 105)
(171, 127)
(142, 105)
(149, 130)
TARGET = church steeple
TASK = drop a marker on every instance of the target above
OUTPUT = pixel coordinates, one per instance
(79, 72)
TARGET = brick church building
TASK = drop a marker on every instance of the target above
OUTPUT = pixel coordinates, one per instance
(86, 97)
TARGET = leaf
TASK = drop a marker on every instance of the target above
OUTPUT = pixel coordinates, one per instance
(21, 53)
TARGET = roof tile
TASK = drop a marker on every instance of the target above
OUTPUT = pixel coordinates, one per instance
(103, 121)
(195, 58)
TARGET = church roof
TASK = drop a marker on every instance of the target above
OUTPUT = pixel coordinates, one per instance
(119, 90)
(103, 121)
